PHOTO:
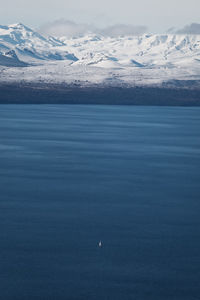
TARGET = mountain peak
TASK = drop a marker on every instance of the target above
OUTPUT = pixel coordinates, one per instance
(19, 26)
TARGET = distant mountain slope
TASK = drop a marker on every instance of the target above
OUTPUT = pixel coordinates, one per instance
(138, 51)
(10, 59)
(29, 45)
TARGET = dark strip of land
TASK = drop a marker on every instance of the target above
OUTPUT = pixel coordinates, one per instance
(62, 94)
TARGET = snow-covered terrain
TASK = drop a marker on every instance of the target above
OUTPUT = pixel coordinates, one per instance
(26, 56)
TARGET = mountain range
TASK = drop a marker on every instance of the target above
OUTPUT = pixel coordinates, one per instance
(93, 59)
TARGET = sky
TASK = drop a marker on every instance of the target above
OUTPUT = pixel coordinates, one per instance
(157, 15)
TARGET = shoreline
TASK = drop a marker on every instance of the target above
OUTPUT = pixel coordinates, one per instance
(30, 93)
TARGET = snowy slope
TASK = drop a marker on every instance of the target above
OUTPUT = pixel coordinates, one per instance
(96, 59)
(142, 51)
(10, 59)
(30, 46)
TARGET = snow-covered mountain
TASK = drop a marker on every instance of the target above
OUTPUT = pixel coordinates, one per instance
(138, 51)
(29, 46)
(96, 58)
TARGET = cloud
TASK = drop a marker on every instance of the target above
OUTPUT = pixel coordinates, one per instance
(193, 28)
(68, 28)
(122, 29)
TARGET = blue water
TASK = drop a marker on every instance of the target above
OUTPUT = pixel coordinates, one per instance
(71, 176)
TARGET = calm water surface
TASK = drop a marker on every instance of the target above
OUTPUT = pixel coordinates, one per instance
(71, 176)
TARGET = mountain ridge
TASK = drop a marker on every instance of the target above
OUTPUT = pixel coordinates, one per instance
(96, 59)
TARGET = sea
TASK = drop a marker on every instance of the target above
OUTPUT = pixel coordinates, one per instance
(99, 202)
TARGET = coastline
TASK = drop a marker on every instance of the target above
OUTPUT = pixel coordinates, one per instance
(43, 93)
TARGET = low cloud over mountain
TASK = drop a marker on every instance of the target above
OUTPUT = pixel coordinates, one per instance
(193, 28)
(69, 28)
(121, 29)
(64, 27)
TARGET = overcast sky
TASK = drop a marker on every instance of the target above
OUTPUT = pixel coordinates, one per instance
(158, 15)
